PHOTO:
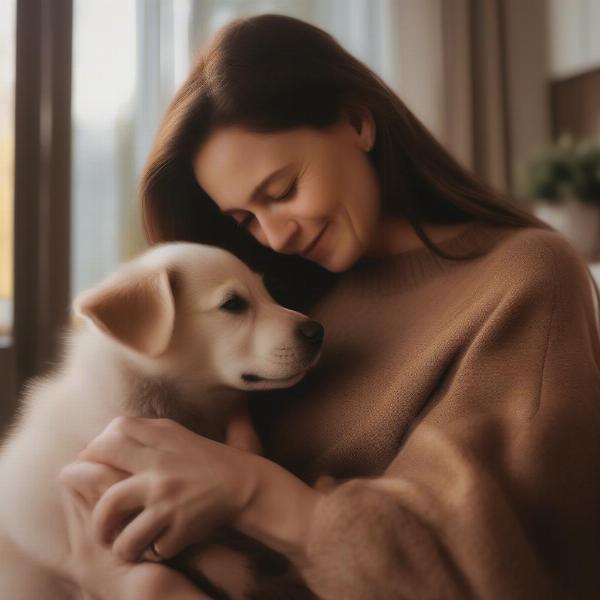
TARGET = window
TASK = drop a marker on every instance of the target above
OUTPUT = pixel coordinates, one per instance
(7, 88)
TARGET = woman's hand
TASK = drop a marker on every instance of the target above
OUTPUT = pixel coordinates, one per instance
(93, 567)
(180, 486)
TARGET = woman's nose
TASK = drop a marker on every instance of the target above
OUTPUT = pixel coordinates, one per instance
(278, 231)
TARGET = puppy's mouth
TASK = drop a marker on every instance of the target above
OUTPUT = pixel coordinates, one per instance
(281, 381)
(252, 377)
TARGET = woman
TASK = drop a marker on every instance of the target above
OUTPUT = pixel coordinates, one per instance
(457, 394)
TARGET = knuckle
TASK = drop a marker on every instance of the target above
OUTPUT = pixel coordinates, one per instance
(67, 475)
(111, 439)
(102, 446)
(165, 487)
(121, 424)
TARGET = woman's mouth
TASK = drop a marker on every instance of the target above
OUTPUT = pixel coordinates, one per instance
(308, 251)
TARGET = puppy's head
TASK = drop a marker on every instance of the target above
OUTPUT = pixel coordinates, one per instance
(198, 314)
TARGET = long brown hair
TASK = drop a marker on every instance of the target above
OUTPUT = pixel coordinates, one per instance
(270, 73)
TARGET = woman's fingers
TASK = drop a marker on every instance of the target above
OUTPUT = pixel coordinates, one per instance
(114, 446)
(173, 540)
(139, 535)
(133, 444)
(89, 479)
(116, 507)
(77, 514)
(74, 508)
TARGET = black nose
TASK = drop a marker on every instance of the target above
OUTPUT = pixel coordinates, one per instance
(312, 331)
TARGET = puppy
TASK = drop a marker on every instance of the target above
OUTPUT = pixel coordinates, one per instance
(182, 331)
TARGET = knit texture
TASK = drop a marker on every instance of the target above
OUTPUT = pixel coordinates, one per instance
(460, 403)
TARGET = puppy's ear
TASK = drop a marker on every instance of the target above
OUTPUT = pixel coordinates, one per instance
(138, 310)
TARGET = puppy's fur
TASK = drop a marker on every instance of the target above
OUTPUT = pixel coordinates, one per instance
(182, 331)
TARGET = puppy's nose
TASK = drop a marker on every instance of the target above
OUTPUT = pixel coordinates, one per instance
(311, 331)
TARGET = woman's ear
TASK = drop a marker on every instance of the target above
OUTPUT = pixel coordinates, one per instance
(137, 310)
(363, 122)
(368, 130)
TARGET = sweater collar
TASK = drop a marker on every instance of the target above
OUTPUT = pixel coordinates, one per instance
(410, 268)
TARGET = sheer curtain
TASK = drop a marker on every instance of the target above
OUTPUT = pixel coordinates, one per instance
(131, 55)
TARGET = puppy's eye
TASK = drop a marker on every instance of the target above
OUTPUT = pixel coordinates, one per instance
(234, 304)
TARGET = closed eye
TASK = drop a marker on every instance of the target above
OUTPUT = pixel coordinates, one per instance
(285, 196)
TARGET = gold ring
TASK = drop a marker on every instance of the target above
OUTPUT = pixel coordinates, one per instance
(154, 550)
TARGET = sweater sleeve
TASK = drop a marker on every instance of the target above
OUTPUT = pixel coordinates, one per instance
(495, 491)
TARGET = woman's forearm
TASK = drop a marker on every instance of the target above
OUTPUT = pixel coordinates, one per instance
(280, 511)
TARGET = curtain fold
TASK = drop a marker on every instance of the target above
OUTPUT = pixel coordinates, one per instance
(496, 85)
(476, 112)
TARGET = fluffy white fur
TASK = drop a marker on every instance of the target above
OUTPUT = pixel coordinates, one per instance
(155, 340)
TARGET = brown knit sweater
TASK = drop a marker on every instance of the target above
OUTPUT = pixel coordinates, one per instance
(460, 402)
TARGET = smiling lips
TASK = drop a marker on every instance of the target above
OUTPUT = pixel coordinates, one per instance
(314, 243)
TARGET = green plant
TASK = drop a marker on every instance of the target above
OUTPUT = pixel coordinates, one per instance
(564, 169)
(586, 181)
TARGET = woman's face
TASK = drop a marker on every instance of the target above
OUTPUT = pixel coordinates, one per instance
(316, 185)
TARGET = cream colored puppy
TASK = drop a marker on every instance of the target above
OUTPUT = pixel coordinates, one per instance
(181, 331)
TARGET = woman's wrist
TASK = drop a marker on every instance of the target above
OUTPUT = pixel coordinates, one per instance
(279, 511)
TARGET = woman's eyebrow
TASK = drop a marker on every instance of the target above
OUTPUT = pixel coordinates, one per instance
(262, 185)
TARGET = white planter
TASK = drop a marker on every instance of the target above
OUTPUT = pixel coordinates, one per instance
(577, 221)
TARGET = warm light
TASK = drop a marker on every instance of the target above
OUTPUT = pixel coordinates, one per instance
(7, 89)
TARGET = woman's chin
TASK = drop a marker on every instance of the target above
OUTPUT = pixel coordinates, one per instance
(341, 261)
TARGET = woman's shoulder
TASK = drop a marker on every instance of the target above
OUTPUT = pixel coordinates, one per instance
(535, 269)
(536, 256)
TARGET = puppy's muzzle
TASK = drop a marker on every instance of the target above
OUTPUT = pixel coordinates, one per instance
(310, 336)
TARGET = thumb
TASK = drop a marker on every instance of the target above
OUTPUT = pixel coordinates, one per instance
(240, 432)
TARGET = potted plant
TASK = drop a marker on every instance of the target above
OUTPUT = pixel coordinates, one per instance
(564, 179)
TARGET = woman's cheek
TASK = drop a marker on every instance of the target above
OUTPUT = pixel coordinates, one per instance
(326, 202)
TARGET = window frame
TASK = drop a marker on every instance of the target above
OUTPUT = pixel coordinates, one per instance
(42, 199)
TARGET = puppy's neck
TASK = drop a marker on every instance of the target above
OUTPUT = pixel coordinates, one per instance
(207, 413)
(137, 391)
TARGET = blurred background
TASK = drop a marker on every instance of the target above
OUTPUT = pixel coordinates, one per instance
(511, 88)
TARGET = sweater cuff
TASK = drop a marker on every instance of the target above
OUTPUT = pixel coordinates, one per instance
(363, 544)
